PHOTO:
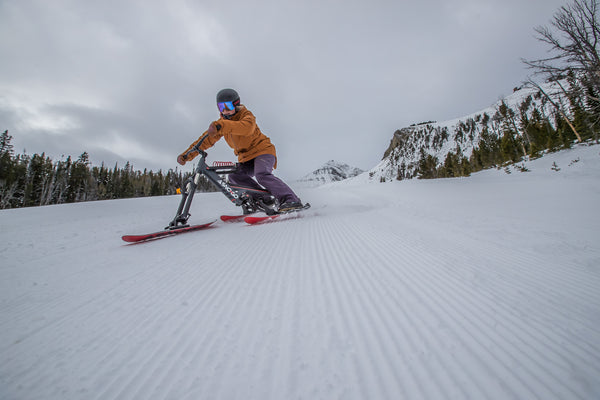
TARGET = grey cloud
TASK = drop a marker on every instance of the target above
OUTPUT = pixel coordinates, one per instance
(326, 79)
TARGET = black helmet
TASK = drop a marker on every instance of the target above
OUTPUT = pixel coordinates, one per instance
(228, 95)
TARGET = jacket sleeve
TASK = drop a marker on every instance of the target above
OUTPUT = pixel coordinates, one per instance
(244, 127)
(190, 154)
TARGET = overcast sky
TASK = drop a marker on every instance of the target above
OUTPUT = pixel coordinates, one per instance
(327, 79)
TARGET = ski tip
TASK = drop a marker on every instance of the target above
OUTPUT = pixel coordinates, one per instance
(256, 220)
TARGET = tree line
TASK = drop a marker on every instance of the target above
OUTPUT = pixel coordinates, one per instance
(572, 71)
(506, 137)
(37, 180)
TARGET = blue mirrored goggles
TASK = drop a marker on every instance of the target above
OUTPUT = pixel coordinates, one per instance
(226, 106)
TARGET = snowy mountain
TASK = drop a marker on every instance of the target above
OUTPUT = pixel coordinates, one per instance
(517, 113)
(332, 171)
(474, 288)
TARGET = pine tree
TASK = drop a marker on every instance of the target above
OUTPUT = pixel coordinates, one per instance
(39, 180)
(6, 157)
(79, 179)
(427, 166)
(8, 185)
(126, 188)
(509, 147)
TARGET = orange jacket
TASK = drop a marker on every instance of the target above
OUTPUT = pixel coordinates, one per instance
(241, 134)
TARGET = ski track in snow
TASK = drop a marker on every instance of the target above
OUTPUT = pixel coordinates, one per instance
(453, 289)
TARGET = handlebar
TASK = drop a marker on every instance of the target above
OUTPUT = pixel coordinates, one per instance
(197, 147)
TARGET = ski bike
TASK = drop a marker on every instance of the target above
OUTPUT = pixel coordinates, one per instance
(251, 200)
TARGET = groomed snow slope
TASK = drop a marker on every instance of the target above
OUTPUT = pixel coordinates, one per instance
(485, 287)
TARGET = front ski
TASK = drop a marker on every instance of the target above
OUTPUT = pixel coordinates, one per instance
(232, 218)
(258, 220)
(165, 233)
(266, 218)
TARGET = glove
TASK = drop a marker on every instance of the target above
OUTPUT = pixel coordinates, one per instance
(213, 128)
(181, 159)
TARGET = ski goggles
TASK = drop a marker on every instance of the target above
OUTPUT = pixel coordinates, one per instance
(226, 106)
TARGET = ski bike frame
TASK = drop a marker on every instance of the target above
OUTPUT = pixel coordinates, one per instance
(251, 200)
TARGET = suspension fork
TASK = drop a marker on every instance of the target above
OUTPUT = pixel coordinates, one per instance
(183, 211)
(189, 189)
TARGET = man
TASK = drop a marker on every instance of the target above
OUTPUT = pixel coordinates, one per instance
(256, 154)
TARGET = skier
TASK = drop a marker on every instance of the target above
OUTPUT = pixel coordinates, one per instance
(256, 154)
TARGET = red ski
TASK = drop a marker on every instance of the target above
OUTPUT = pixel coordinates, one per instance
(258, 220)
(232, 218)
(266, 218)
(165, 233)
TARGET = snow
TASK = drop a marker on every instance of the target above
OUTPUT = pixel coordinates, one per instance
(331, 171)
(485, 287)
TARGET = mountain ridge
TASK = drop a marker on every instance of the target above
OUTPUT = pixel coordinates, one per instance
(331, 171)
(519, 126)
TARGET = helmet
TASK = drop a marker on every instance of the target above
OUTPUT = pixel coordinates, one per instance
(227, 100)
(228, 95)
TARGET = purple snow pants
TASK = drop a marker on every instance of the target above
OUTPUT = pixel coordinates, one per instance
(261, 168)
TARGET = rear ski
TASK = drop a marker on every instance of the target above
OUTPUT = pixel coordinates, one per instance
(164, 233)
